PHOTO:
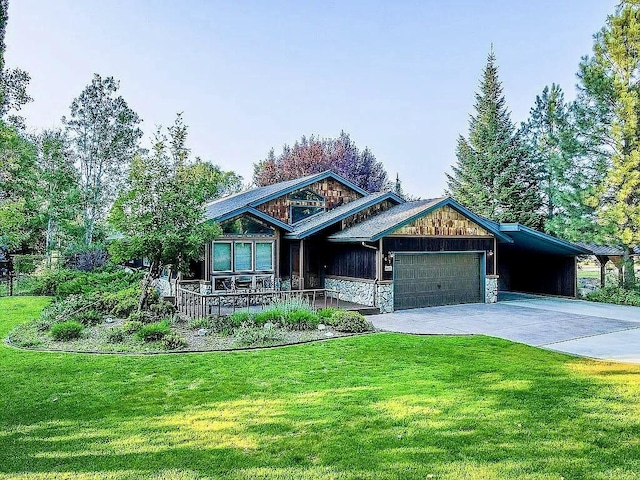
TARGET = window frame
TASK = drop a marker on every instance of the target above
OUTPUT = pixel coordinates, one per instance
(251, 255)
(213, 256)
(255, 255)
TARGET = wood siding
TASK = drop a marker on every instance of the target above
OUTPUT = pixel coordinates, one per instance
(350, 261)
(334, 192)
(430, 244)
(444, 221)
(366, 213)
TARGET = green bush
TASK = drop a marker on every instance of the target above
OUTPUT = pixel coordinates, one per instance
(142, 317)
(87, 317)
(271, 315)
(162, 309)
(240, 318)
(116, 335)
(255, 336)
(61, 283)
(153, 332)
(63, 309)
(42, 325)
(173, 341)
(327, 313)
(121, 303)
(65, 331)
(350, 322)
(198, 323)
(131, 326)
(301, 320)
(616, 295)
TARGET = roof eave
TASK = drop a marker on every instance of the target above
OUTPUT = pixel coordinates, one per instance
(255, 212)
(571, 247)
(306, 233)
(307, 182)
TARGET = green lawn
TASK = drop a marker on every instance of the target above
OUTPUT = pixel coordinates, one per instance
(376, 406)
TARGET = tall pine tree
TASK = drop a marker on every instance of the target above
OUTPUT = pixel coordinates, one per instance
(610, 91)
(493, 175)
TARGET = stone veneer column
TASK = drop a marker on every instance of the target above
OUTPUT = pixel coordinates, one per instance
(491, 289)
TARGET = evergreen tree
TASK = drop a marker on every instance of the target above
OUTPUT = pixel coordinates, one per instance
(493, 175)
(610, 91)
(563, 165)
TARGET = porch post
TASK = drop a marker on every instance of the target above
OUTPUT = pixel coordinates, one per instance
(379, 273)
(301, 267)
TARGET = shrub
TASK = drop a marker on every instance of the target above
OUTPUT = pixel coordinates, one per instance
(617, 295)
(271, 315)
(42, 325)
(301, 320)
(254, 336)
(142, 317)
(121, 303)
(292, 305)
(131, 326)
(350, 322)
(64, 282)
(116, 335)
(89, 259)
(240, 318)
(198, 323)
(327, 313)
(162, 308)
(63, 309)
(173, 341)
(88, 317)
(65, 331)
(153, 332)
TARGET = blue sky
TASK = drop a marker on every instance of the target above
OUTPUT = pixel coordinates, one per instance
(399, 76)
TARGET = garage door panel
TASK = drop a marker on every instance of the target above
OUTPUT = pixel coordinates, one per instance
(423, 280)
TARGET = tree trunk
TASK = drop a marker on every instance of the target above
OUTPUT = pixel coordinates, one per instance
(629, 269)
(147, 284)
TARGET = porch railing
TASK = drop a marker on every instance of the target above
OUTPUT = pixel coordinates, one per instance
(194, 304)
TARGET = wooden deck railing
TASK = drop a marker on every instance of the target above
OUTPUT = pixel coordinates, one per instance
(194, 304)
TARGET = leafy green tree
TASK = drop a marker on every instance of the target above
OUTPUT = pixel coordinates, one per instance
(493, 174)
(104, 135)
(160, 211)
(18, 184)
(13, 82)
(610, 87)
(58, 189)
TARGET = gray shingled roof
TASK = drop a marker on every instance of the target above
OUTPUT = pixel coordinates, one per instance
(606, 249)
(303, 228)
(226, 205)
(388, 219)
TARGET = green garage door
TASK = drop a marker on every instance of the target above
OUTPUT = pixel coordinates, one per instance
(432, 279)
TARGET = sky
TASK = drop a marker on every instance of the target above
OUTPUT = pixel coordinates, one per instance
(399, 76)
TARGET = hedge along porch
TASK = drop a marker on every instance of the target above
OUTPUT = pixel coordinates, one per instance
(376, 249)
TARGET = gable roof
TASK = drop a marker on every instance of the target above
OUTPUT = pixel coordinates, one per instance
(391, 220)
(321, 221)
(228, 207)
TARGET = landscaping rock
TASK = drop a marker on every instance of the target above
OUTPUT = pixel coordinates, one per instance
(322, 326)
(203, 332)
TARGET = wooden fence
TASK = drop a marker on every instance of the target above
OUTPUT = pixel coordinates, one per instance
(193, 304)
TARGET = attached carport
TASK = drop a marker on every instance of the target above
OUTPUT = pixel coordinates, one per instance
(537, 263)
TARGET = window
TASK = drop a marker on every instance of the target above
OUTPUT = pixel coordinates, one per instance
(305, 203)
(246, 225)
(243, 256)
(222, 256)
(264, 256)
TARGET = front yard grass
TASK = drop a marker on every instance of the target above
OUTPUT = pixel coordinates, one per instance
(376, 406)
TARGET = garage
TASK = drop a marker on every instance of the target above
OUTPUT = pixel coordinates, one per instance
(429, 279)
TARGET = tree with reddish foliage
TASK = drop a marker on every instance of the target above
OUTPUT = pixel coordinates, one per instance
(314, 155)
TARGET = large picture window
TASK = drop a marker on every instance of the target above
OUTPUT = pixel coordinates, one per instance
(264, 256)
(222, 256)
(243, 256)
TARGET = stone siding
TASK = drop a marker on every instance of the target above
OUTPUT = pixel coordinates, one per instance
(385, 297)
(353, 291)
(491, 289)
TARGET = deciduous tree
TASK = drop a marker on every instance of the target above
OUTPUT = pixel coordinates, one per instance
(104, 134)
(314, 155)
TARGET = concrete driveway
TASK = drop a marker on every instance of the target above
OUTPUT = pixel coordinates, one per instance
(609, 332)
